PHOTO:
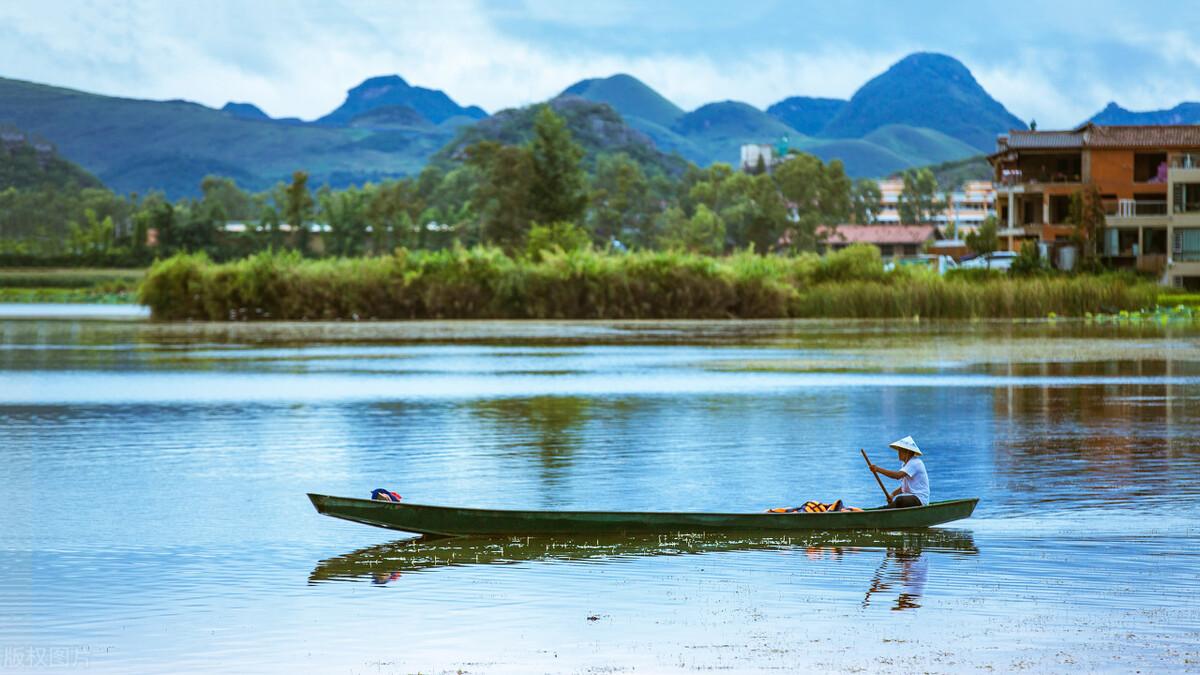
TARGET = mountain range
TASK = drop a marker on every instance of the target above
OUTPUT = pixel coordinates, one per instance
(925, 109)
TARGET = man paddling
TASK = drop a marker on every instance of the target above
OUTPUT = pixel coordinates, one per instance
(914, 482)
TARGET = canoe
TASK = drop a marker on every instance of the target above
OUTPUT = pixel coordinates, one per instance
(455, 522)
(383, 563)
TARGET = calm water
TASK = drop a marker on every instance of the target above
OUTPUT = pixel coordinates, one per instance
(155, 516)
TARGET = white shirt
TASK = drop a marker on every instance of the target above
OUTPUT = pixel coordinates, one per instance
(916, 481)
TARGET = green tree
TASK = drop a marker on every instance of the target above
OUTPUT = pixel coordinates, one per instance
(918, 199)
(620, 198)
(984, 240)
(704, 232)
(298, 209)
(502, 193)
(346, 214)
(1087, 216)
(563, 236)
(557, 187)
(866, 200)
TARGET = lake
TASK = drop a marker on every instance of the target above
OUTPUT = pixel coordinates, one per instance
(156, 519)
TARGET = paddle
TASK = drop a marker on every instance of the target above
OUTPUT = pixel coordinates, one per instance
(886, 494)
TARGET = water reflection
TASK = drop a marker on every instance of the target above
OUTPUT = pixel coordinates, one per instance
(904, 567)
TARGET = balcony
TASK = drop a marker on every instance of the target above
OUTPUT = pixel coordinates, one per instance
(1135, 211)
(1185, 161)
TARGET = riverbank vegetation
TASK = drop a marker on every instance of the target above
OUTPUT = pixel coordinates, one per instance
(585, 283)
(43, 284)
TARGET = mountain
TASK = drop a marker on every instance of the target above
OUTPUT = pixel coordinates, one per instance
(140, 146)
(390, 90)
(717, 131)
(595, 126)
(927, 90)
(1113, 114)
(390, 117)
(30, 163)
(806, 114)
(629, 96)
(246, 111)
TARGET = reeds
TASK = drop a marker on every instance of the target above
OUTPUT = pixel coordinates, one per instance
(484, 283)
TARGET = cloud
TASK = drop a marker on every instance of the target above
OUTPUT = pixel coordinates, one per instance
(298, 59)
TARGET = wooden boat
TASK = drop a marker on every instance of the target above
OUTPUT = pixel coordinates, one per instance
(385, 563)
(452, 522)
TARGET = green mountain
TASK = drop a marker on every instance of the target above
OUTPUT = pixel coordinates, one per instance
(390, 117)
(806, 114)
(247, 111)
(139, 146)
(596, 127)
(718, 130)
(391, 90)
(629, 96)
(926, 90)
(28, 164)
(1113, 114)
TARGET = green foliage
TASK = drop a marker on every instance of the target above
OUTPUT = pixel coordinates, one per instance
(918, 199)
(298, 209)
(703, 233)
(1087, 216)
(557, 189)
(866, 201)
(984, 240)
(1030, 262)
(502, 192)
(621, 207)
(562, 236)
(583, 282)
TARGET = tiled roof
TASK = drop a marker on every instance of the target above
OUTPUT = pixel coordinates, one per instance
(878, 234)
(1095, 136)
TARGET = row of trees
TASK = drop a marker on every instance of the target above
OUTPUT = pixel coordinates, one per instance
(505, 195)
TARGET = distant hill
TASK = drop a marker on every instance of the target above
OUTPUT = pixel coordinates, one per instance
(718, 130)
(391, 90)
(139, 146)
(1113, 114)
(806, 114)
(629, 96)
(247, 111)
(29, 163)
(390, 117)
(933, 91)
(596, 127)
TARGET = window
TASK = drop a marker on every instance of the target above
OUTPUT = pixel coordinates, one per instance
(1187, 197)
(1150, 167)
(1186, 247)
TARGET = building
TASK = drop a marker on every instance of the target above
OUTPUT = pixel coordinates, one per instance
(965, 208)
(1148, 178)
(892, 240)
(754, 153)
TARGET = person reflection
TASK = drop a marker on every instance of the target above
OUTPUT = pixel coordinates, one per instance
(904, 569)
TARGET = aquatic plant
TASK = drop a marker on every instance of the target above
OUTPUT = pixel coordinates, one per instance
(583, 283)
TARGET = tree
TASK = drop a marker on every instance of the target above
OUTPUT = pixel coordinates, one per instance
(1087, 215)
(984, 240)
(818, 195)
(298, 207)
(620, 198)
(346, 214)
(502, 193)
(563, 236)
(866, 201)
(557, 189)
(703, 233)
(918, 199)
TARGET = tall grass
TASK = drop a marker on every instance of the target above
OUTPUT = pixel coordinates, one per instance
(484, 283)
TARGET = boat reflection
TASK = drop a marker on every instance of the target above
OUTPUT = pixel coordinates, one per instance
(904, 564)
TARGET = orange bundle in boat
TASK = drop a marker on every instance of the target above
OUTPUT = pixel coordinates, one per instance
(814, 507)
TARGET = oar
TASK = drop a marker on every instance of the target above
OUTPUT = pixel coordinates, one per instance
(886, 494)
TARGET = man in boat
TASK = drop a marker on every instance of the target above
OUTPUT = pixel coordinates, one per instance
(914, 482)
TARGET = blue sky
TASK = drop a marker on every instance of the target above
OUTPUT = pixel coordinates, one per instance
(1055, 62)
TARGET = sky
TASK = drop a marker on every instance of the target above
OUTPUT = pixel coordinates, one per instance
(1056, 62)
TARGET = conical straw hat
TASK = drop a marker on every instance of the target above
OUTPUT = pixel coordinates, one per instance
(906, 443)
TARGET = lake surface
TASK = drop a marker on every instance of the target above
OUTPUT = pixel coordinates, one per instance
(154, 482)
